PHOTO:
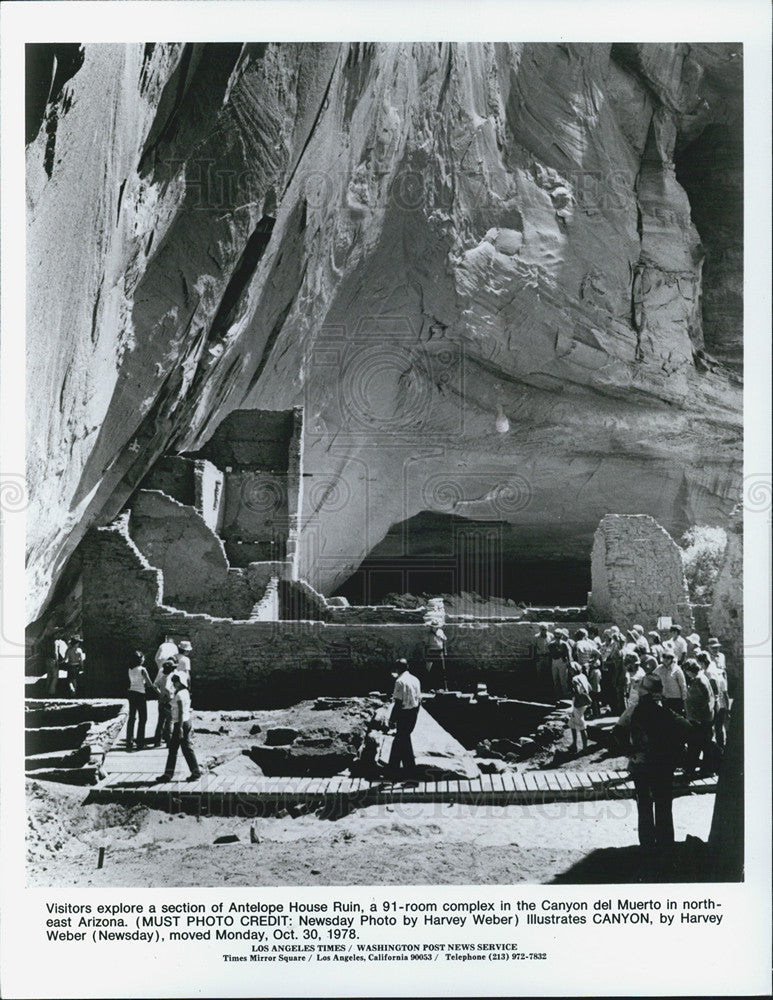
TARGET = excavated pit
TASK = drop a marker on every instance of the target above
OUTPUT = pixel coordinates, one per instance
(473, 720)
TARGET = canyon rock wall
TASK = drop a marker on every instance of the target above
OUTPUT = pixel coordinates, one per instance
(475, 266)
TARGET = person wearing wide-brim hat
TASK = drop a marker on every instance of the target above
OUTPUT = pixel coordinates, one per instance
(181, 733)
(714, 647)
(658, 738)
(183, 661)
(74, 659)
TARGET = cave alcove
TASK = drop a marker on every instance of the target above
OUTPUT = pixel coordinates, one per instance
(436, 553)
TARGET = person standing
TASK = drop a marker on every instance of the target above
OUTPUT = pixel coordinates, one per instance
(139, 680)
(713, 646)
(717, 671)
(166, 650)
(581, 699)
(560, 658)
(183, 662)
(407, 700)
(641, 642)
(542, 641)
(718, 682)
(585, 650)
(614, 671)
(699, 708)
(57, 659)
(181, 733)
(674, 685)
(163, 685)
(658, 738)
(435, 650)
(656, 646)
(678, 643)
(74, 660)
(693, 644)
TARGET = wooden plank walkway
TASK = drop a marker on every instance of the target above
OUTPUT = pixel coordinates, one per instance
(213, 792)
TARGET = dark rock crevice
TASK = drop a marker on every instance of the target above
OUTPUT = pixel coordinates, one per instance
(48, 67)
(710, 169)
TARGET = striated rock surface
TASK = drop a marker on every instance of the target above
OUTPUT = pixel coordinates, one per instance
(480, 269)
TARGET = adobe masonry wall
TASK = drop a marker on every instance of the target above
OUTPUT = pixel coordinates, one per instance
(256, 518)
(267, 608)
(253, 663)
(121, 596)
(175, 538)
(637, 573)
(265, 663)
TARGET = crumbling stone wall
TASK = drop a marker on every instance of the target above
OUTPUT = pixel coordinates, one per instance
(637, 573)
(121, 596)
(271, 662)
(262, 663)
(267, 608)
(175, 538)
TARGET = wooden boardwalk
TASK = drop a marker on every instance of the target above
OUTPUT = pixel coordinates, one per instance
(132, 778)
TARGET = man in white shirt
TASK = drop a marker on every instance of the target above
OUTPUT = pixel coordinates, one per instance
(181, 733)
(166, 651)
(407, 699)
(678, 643)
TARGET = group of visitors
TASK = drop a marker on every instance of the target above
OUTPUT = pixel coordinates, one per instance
(603, 674)
(171, 688)
(670, 694)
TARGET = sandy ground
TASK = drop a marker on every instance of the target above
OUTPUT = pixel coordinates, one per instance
(399, 844)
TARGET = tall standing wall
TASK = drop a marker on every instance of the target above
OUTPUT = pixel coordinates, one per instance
(637, 574)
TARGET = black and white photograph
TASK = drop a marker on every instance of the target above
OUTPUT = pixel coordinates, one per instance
(384, 483)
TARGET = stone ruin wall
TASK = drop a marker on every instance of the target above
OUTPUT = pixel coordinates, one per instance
(197, 577)
(264, 662)
(637, 574)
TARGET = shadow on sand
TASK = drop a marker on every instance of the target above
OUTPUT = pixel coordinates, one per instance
(689, 861)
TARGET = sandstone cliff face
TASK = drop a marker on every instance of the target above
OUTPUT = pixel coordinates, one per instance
(475, 266)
